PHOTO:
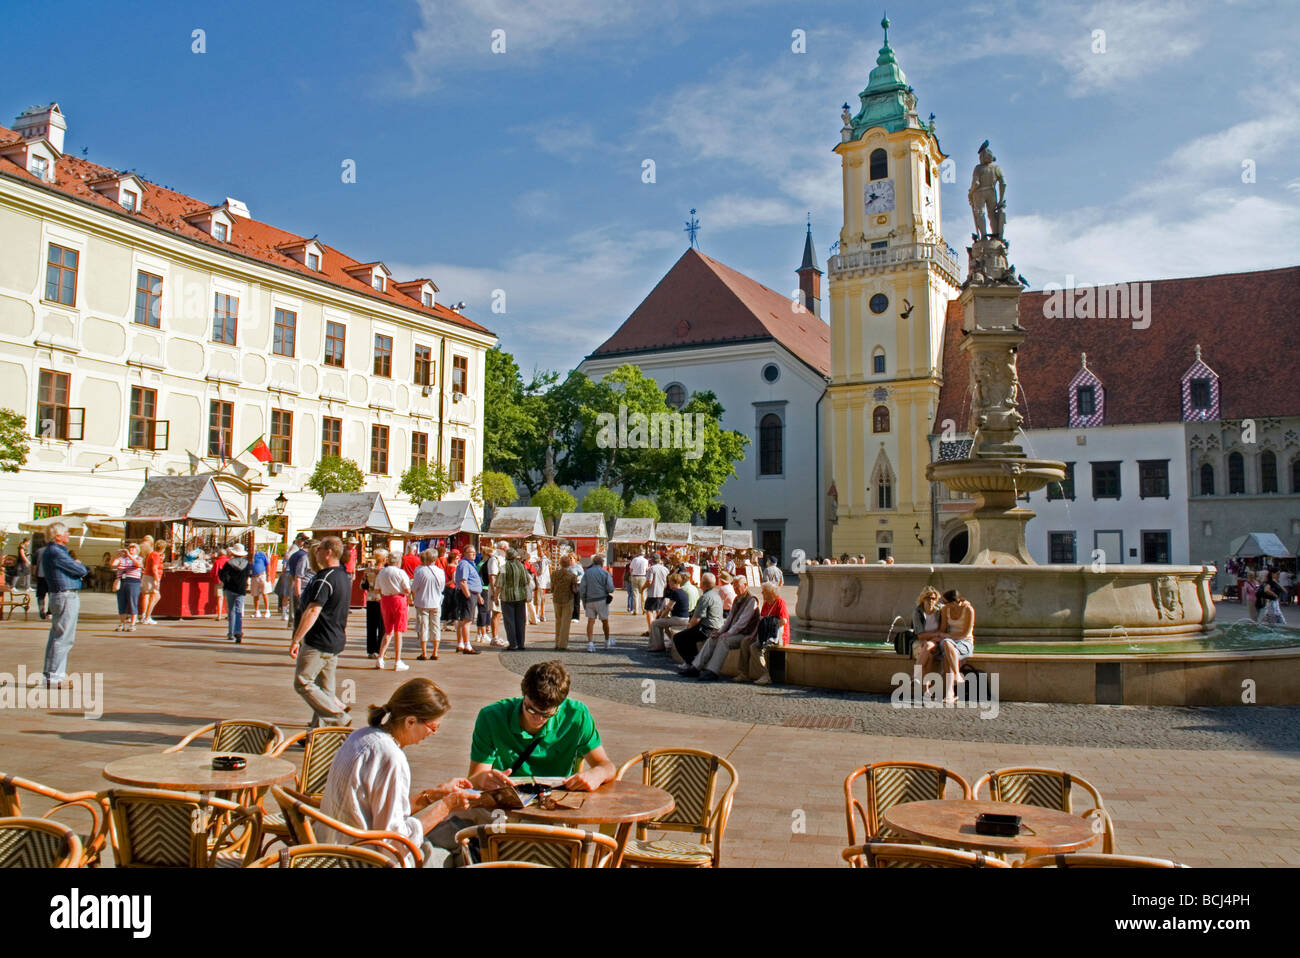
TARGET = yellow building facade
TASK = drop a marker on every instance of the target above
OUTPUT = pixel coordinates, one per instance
(889, 289)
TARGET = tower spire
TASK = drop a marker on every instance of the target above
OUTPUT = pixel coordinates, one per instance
(810, 277)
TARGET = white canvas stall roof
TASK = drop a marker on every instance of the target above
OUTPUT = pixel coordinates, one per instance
(353, 512)
(1259, 544)
(517, 522)
(706, 535)
(582, 525)
(738, 538)
(673, 533)
(179, 498)
(444, 517)
(633, 531)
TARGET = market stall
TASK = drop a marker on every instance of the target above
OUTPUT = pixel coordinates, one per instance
(740, 543)
(1255, 552)
(675, 541)
(707, 542)
(632, 537)
(448, 522)
(522, 527)
(584, 534)
(186, 516)
(355, 516)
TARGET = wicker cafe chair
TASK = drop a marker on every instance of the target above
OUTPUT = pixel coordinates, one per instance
(301, 817)
(889, 784)
(38, 843)
(691, 777)
(1048, 788)
(162, 829)
(236, 735)
(325, 856)
(1080, 860)
(549, 845)
(322, 744)
(92, 842)
(506, 864)
(878, 854)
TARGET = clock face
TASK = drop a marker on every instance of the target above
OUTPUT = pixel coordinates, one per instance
(878, 196)
(879, 303)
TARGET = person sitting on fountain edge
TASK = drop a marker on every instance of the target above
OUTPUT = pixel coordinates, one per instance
(925, 623)
(957, 641)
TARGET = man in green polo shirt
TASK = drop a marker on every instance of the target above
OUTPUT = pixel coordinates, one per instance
(551, 730)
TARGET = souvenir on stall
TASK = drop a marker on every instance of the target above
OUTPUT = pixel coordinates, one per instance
(632, 537)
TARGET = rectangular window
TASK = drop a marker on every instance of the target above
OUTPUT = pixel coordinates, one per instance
(426, 299)
(880, 244)
(877, 364)
(225, 318)
(221, 421)
(45, 510)
(1155, 547)
(1065, 488)
(1105, 480)
(335, 334)
(130, 200)
(460, 374)
(52, 411)
(1153, 478)
(313, 261)
(144, 418)
(419, 449)
(284, 333)
(383, 355)
(884, 495)
(219, 231)
(379, 450)
(331, 437)
(61, 276)
(281, 436)
(377, 282)
(1086, 400)
(1200, 394)
(1060, 548)
(148, 299)
(458, 460)
(40, 167)
(423, 365)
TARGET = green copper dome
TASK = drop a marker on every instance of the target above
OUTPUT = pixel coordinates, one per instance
(888, 100)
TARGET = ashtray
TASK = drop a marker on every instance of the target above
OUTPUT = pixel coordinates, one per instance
(989, 824)
(228, 763)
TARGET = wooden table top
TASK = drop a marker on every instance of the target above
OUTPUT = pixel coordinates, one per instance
(190, 770)
(615, 802)
(951, 822)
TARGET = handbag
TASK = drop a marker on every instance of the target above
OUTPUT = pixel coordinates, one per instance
(117, 583)
(769, 631)
(904, 641)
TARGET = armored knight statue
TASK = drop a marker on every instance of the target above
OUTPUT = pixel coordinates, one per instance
(988, 191)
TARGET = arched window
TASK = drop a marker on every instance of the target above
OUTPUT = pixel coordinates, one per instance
(885, 492)
(1236, 474)
(1295, 474)
(927, 173)
(880, 419)
(878, 361)
(1268, 471)
(879, 164)
(675, 395)
(771, 461)
(1207, 480)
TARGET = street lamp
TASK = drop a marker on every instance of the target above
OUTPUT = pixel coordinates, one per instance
(281, 502)
(735, 517)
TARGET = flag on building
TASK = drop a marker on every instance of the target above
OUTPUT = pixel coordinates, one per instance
(260, 450)
(194, 462)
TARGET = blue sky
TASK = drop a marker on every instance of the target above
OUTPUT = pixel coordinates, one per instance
(522, 171)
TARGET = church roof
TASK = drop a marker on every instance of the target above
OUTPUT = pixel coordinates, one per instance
(701, 302)
(1245, 323)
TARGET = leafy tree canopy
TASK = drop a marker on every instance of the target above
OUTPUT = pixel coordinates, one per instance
(335, 474)
(493, 489)
(425, 481)
(13, 440)
(643, 508)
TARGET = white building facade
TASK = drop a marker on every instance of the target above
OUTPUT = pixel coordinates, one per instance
(141, 330)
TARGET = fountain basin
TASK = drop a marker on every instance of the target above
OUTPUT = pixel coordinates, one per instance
(975, 476)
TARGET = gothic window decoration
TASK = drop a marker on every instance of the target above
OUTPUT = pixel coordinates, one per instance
(1200, 391)
(879, 165)
(882, 482)
(1268, 471)
(1236, 474)
(1087, 397)
(1207, 479)
(880, 419)
(771, 457)
(1295, 475)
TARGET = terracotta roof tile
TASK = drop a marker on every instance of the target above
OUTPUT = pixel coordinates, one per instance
(702, 302)
(1247, 325)
(167, 209)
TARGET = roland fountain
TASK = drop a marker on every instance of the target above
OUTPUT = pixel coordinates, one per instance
(1103, 633)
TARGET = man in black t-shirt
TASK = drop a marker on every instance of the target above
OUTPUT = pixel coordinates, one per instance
(674, 613)
(321, 635)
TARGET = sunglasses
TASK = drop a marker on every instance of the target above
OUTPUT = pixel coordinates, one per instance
(538, 713)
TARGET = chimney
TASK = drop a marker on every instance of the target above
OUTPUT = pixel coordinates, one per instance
(42, 122)
(237, 208)
(810, 277)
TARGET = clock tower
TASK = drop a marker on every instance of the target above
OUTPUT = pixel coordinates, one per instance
(890, 285)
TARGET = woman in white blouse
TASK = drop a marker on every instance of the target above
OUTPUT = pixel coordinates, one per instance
(369, 785)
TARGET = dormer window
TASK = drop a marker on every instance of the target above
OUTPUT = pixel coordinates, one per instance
(220, 232)
(426, 299)
(1087, 397)
(130, 200)
(124, 189)
(1085, 400)
(313, 261)
(377, 282)
(374, 275)
(421, 290)
(40, 167)
(216, 221)
(1200, 391)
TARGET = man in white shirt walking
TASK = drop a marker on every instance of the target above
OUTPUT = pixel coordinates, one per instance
(427, 587)
(656, 579)
(637, 569)
(394, 590)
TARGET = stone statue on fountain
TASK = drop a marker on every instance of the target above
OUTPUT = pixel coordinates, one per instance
(987, 256)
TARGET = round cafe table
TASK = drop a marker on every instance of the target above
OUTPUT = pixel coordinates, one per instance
(190, 770)
(614, 803)
(951, 823)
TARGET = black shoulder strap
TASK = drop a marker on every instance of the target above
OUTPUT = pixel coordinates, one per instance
(523, 756)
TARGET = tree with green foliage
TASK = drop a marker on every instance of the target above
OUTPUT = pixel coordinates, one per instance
(13, 440)
(425, 481)
(696, 482)
(493, 489)
(335, 474)
(554, 502)
(605, 501)
(642, 508)
(670, 510)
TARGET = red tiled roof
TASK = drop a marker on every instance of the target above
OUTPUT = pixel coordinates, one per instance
(1247, 325)
(167, 209)
(701, 302)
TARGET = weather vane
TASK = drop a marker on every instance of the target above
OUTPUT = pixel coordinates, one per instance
(692, 227)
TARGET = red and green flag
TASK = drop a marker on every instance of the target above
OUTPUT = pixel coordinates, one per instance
(260, 450)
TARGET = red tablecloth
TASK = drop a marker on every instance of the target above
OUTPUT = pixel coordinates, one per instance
(187, 595)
